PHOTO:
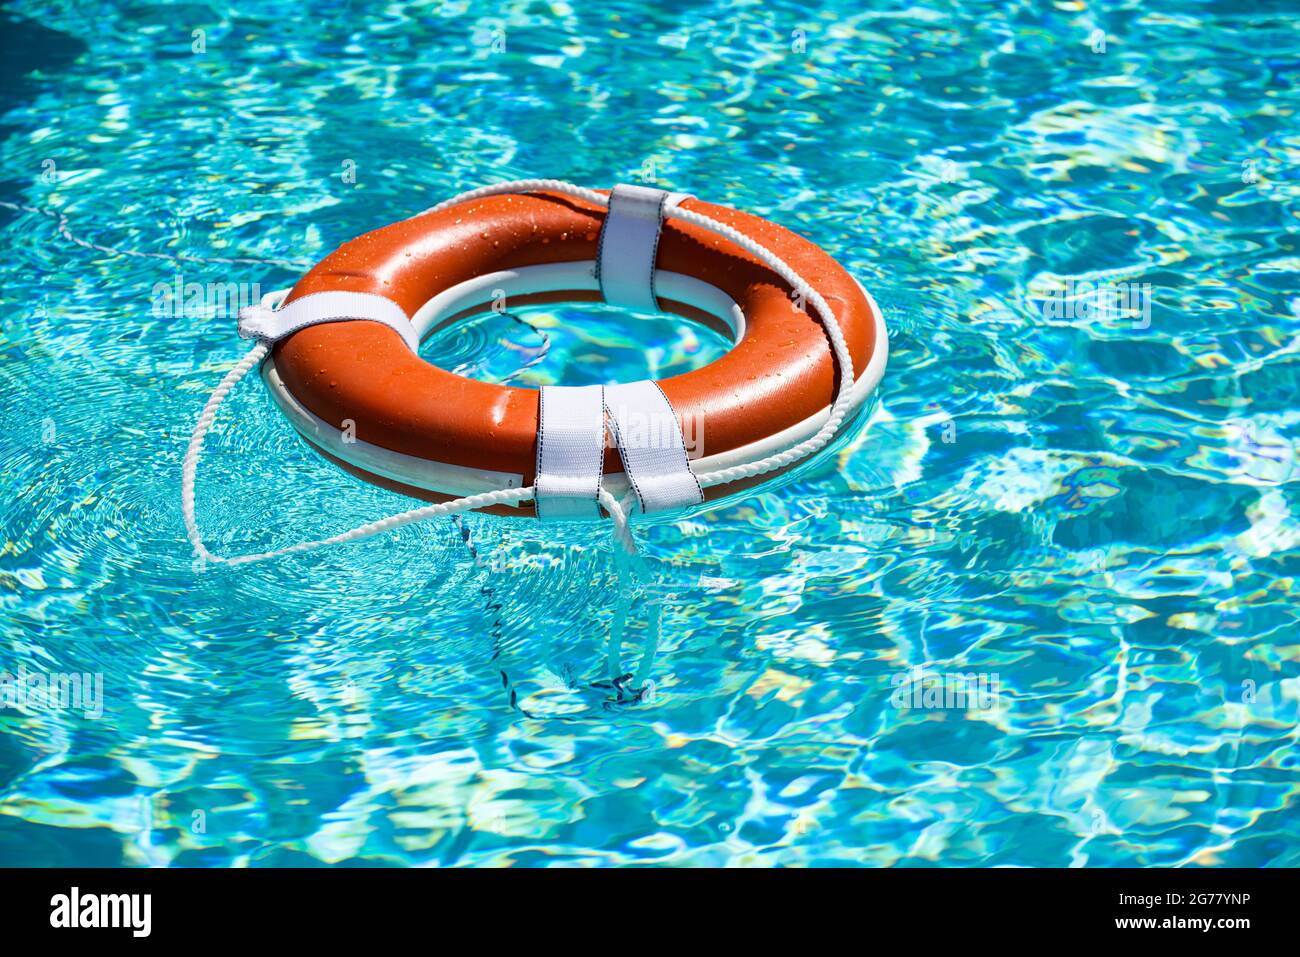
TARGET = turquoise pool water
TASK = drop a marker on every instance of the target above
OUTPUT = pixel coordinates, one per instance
(1088, 513)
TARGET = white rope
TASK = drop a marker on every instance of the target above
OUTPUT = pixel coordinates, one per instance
(843, 398)
(618, 512)
(523, 186)
(191, 463)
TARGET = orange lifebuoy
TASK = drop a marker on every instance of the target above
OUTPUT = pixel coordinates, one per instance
(358, 394)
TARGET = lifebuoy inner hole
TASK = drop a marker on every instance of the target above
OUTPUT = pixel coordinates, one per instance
(573, 343)
(696, 325)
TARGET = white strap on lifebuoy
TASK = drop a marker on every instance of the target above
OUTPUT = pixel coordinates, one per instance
(649, 438)
(270, 322)
(629, 241)
(571, 428)
(570, 452)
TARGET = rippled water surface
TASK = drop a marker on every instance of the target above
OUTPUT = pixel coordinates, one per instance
(1094, 509)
